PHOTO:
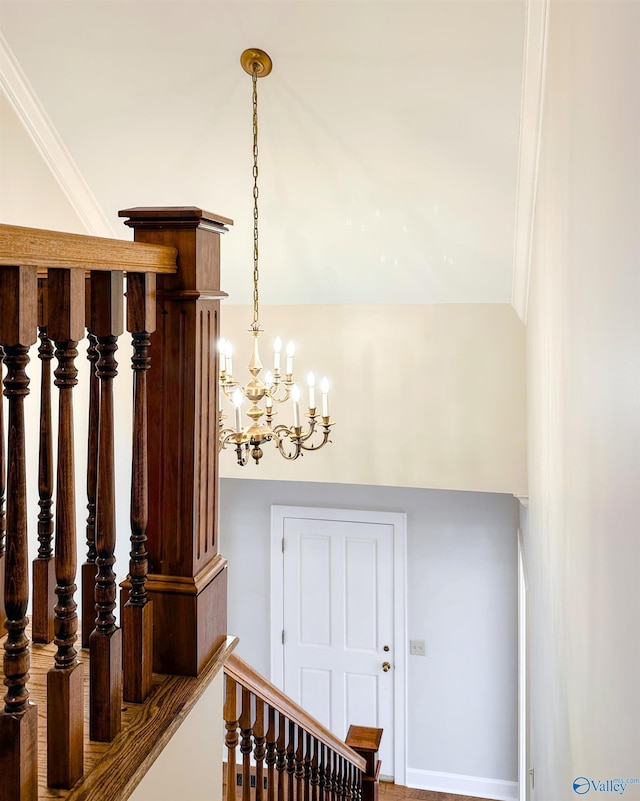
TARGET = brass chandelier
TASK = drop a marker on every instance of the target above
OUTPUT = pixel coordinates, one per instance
(278, 386)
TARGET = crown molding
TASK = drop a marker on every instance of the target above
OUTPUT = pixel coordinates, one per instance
(25, 102)
(531, 109)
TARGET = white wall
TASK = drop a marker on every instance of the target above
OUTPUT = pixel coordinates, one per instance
(422, 395)
(186, 768)
(582, 544)
(462, 600)
(29, 193)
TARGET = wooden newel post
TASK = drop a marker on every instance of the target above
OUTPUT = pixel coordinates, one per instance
(19, 717)
(365, 740)
(187, 575)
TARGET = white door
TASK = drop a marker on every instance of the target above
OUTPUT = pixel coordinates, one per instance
(338, 622)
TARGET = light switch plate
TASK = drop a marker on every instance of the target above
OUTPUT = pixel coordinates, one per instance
(416, 647)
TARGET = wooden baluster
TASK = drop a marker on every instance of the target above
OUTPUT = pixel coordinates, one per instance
(65, 681)
(299, 771)
(314, 779)
(338, 780)
(270, 758)
(291, 760)
(328, 775)
(352, 782)
(3, 516)
(281, 751)
(137, 614)
(89, 568)
(335, 779)
(322, 772)
(259, 741)
(245, 744)
(346, 780)
(307, 768)
(105, 642)
(231, 735)
(44, 577)
(346, 785)
(357, 792)
(19, 717)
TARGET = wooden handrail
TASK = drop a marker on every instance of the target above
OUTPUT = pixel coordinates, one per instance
(246, 676)
(38, 248)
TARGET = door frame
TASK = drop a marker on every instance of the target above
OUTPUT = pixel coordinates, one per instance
(398, 522)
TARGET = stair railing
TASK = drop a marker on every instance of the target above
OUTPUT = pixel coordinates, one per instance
(276, 751)
(61, 289)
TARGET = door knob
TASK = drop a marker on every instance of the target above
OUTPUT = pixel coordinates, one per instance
(386, 666)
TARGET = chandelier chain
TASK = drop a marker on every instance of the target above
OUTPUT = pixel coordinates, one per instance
(256, 324)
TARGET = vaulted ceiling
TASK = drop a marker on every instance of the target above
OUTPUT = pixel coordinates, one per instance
(389, 132)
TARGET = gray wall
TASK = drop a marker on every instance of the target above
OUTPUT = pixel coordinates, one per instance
(462, 600)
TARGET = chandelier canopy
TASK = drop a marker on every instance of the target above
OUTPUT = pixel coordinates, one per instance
(278, 386)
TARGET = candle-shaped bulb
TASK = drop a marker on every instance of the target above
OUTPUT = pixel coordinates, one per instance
(295, 397)
(268, 379)
(237, 399)
(221, 351)
(324, 387)
(311, 381)
(291, 349)
(277, 347)
(228, 352)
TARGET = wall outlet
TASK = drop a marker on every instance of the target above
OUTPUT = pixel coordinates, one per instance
(416, 647)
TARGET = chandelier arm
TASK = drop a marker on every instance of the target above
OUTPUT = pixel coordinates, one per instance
(281, 399)
(289, 455)
(312, 427)
(229, 436)
(242, 453)
(317, 446)
(229, 388)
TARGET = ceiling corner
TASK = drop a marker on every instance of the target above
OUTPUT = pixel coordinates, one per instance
(20, 94)
(533, 76)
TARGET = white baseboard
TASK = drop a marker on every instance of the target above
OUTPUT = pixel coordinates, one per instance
(498, 789)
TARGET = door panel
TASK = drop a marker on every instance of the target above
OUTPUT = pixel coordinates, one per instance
(314, 602)
(315, 693)
(360, 595)
(338, 617)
